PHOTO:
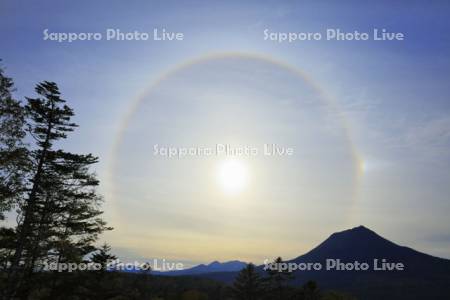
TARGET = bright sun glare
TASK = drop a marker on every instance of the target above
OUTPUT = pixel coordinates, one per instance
(232, 176)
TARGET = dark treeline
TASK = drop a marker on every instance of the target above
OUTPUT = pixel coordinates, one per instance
(51, 214)
(276, 285)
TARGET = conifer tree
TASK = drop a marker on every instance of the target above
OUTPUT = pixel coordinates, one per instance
(13, 154)
(277, 281)
(103, 257)
(248, 284)
(59, 215)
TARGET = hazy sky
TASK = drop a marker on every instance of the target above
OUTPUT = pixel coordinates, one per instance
(369, 121)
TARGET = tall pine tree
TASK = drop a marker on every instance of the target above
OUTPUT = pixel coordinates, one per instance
(59, 215)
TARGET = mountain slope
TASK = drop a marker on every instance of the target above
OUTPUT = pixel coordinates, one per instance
(362, 244)
(424, 276)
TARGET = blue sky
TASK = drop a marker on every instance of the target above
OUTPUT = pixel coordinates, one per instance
(394, 96)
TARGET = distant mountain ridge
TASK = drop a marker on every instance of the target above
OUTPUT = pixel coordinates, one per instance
(214, 267)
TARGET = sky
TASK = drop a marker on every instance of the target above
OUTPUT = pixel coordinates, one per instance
(369, 121)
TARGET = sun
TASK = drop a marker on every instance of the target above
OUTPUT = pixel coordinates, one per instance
(232, 176)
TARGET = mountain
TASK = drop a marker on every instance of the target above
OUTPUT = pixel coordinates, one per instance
(423, 277)
(214, 267)
(363, 245)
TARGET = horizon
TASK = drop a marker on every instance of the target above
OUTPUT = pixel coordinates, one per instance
(157, 261)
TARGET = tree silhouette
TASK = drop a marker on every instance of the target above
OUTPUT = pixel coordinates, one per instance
(13, 154)
(59, 215)
(276, 282)
(248, 284)
(103, 257)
